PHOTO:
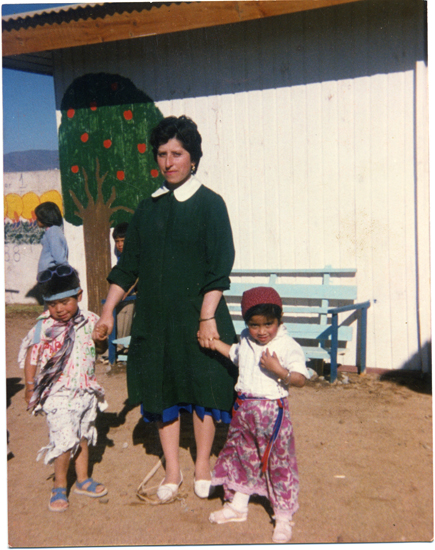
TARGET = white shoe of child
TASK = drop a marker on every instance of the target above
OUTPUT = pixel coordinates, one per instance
(226, 514)
(283, 530)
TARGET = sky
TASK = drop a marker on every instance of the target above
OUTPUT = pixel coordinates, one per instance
(29, 111)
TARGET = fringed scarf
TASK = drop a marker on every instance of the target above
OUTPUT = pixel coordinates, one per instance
(51, 371)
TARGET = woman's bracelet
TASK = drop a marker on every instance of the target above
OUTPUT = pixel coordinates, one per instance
(30, 383)
(209, 319)
(286, 380)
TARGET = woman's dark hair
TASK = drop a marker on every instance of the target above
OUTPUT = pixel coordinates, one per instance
(120, 230)
(270, 311)
(59, 282)
(49, 214)
(183, 129)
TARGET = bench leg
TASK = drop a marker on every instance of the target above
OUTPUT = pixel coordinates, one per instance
(362, 364)
(111, 346)
(334, 347)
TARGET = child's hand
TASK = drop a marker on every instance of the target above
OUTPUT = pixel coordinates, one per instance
(270, 362)
(28, 394)
(220, 347)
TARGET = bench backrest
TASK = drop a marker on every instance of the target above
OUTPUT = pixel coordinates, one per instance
(305, 305)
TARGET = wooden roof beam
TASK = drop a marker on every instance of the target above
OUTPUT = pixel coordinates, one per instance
(158, 20)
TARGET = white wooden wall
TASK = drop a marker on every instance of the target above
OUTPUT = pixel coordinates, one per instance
(314, 132)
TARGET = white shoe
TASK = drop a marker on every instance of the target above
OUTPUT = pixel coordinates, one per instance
(226, 514)
(203, 488)
(283, 531)
(168, 491)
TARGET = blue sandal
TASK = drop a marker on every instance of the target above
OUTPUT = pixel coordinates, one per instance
(58, 493)
(90, 491)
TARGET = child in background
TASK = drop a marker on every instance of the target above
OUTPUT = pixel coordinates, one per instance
(124, 311)
(61, 349)
(259, 454)
(54, 245)
(119, 233)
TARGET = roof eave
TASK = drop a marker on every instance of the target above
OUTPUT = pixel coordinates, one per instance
(162, 18)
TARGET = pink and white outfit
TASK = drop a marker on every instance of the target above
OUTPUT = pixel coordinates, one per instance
(71, 399)
(259, 454)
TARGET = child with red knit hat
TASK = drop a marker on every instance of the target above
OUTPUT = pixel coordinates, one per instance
(259, 454)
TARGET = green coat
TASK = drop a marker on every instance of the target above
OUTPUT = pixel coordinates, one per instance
(179, 251)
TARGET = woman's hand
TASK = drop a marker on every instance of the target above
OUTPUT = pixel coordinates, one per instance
(207, 324)
(104, 325)
(207, 333)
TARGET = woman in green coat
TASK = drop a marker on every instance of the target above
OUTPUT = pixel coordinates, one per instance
(179, 245)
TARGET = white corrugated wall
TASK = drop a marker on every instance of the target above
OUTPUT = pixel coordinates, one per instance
(314, 132)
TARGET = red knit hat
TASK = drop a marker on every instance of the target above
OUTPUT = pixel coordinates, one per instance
(259, 295)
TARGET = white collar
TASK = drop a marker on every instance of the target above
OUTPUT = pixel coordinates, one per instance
(182, 193)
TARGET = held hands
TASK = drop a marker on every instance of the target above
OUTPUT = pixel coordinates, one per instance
(102, 329)
(100, 336)
(207, 333)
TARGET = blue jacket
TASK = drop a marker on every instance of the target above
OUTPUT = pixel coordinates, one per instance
(54, 248)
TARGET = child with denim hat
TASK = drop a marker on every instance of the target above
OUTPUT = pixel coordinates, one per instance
(58, 356)
(259, 454)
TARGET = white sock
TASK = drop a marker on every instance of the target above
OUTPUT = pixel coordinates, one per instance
(240, 502)
(283, 515)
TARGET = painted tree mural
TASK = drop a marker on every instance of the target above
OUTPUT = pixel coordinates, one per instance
(106, 164)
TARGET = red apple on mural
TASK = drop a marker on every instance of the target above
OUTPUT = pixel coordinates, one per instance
(107, 143)
(74, 169)
(128, 115)
(120, 175)
(141, 147)
(84, 137)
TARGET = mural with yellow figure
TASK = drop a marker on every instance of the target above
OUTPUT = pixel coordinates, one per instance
(19, 213)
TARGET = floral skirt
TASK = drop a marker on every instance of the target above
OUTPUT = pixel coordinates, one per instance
(238, 467)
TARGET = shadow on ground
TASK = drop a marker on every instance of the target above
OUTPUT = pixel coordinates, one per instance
(414, 380)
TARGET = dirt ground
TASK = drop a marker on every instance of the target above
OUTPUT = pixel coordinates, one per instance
(364, 452)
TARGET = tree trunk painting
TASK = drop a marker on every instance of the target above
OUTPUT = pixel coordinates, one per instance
(96, 219)
(106, 165)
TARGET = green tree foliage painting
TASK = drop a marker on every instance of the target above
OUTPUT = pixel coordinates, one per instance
(107, 166)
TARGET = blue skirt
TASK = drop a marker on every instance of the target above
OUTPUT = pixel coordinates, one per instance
(173, 412)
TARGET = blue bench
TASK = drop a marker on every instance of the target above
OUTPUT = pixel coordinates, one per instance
(309, 315)
(310, 310)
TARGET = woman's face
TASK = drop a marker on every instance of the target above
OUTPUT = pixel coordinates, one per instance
(174, 162)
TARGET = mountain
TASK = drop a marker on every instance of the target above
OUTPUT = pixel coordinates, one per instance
(31, 161)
